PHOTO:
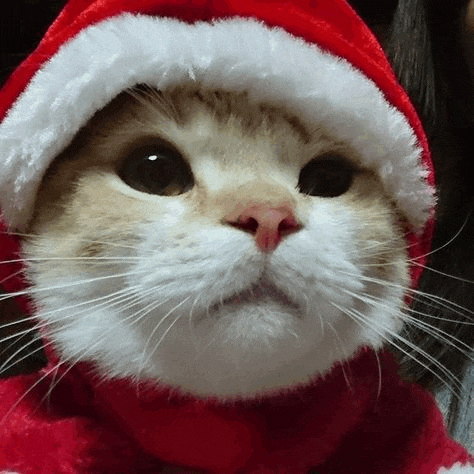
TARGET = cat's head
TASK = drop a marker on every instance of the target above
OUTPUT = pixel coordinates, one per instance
(230, 233)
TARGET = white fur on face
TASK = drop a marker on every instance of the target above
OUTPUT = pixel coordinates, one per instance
(162, 287)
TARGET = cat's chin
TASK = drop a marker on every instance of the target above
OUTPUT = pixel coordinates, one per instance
(251, 348)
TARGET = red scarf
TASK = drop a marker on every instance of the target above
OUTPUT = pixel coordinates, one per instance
(361, 418)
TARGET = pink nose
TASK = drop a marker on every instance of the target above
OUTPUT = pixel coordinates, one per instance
(269, 224)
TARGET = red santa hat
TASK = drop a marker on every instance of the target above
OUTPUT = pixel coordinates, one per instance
(317, 59)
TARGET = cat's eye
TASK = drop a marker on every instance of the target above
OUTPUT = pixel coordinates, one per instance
(157, 169)
(327, 176)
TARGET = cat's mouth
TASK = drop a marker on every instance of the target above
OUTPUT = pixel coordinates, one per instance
(260, 292)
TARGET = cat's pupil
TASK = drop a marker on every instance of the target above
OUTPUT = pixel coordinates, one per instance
(328, 176)
(157, 169)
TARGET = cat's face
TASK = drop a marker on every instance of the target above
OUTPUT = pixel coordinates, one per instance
(219, 246)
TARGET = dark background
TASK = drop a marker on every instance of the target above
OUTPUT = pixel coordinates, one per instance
(22, 24)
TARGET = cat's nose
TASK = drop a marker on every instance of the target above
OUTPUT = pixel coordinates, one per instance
(268, 224)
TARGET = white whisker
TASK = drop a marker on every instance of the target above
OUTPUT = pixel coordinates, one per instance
(447, 244)
(419, 294)
(6, 366)
(118, 259)
(70, 284)
(434, 331)
(65, 238)
(24, 395)
(359, 318)
(346, 356)
(18, 335)
(116, 298)
(439, 272)
(157, 326)
(442, 335)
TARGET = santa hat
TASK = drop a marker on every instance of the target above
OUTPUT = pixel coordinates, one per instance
(316, 59)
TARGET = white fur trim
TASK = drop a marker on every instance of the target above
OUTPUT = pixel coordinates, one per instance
(235, 54)
(458, 469)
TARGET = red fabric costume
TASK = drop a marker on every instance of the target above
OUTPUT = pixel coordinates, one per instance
(361, 417)
(331, 426)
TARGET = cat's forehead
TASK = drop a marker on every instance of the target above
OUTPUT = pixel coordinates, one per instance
(204, 124)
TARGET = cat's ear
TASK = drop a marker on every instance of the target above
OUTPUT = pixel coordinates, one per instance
(21, 347)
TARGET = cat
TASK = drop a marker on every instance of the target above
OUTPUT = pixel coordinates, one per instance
(215, 258)
(216, 244)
